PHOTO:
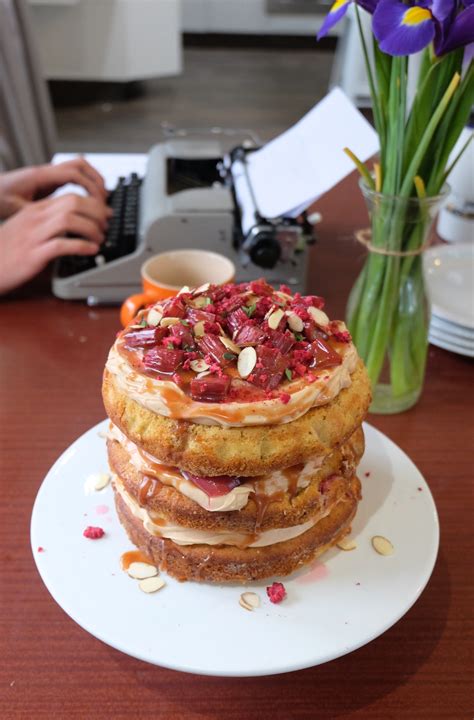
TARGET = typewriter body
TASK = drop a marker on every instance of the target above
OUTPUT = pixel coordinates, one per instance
(195, 194)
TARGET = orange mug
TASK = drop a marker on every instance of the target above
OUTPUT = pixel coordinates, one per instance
(165, 274)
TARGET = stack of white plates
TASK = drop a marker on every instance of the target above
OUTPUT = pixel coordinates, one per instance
(449, 274)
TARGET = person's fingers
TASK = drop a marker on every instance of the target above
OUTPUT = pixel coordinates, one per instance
(60, 246)
(89, 207)
(76, 171)
(77, 225)
(91, 172)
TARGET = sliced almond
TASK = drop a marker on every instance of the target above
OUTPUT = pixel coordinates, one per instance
(151, 584)
(184, 290)
(199, 366)
(246, 362)
(382, 545)
(95, 482)
(275, 319)
(319, 317)
(200, 302)
(229, 344)
(249, 600)
(282, 295)
(202, 289)
(167, 321)
(203, 374)
(295, 322)
(154, 317)
(269, 312)
(198, 329)
(346, 544)
(141, 570)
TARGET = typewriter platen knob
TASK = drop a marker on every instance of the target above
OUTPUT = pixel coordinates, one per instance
(263, 248)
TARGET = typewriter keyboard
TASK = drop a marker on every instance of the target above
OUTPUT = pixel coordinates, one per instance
(121, 237)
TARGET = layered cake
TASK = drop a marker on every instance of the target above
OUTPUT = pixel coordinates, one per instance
(235, 431)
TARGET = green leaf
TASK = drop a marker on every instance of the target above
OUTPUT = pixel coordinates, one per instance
(229, 356)
(426, 138)
(249, 311)
(363, 169)
(143, 322)
(289, 374)
(450, 128)
(428, 96)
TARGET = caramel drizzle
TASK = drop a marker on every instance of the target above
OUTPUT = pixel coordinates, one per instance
(133, 556)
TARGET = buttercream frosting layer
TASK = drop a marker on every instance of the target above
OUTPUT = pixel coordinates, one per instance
(157, 526)
(166, 397)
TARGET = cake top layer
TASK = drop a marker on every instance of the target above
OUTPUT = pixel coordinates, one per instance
(233, 346)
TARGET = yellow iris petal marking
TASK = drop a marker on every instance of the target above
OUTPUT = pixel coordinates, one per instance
(338, 5)
(416, 16)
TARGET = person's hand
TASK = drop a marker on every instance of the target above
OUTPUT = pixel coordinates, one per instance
(37, 233)
(19, 187)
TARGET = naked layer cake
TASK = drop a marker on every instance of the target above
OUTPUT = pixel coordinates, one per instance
(235, 431)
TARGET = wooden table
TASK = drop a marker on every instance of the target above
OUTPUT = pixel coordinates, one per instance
(52, 354)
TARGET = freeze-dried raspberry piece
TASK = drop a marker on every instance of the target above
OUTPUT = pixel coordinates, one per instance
(276, 592)
(93, 533)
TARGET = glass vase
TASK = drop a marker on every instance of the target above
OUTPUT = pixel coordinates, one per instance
(388, 312)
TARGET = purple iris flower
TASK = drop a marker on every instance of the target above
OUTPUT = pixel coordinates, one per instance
(339, 9)
(403, 29)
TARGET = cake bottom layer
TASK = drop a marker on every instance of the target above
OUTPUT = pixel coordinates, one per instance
(223, 563)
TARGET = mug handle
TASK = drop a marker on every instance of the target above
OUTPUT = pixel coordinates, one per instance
(131, 306)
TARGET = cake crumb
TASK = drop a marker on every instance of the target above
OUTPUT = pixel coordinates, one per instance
(93, 533)
(276, 592)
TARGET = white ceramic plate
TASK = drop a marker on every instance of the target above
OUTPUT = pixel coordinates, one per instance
(449, 273)
(332, 608)
(453, 340)
(446, 344)
(453, 329)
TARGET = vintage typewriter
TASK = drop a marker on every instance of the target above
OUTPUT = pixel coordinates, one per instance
(195, 193)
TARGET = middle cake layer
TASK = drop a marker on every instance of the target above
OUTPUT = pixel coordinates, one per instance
(280, 499)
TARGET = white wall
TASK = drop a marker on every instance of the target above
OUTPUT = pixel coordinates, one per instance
(244, 16)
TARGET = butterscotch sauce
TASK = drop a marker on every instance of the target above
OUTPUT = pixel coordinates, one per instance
(148, 488)
(262, 502)
(292, 475)
(167, 474)
(133, 556)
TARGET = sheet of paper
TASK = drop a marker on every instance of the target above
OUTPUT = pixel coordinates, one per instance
(110, 165)
(307, 160)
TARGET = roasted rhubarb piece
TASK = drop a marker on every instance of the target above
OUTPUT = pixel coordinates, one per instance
(269, 368)
(144, 337)
(163, 360)
(182, 336)
(213, 346)
(281, 341)
(236, 320)
(214, 486)
(249, 334)
(324, 355)
(174, 307)
(211, 388)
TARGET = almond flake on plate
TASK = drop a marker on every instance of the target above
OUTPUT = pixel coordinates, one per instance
(346, 544)
(249, 600)
(151, 584)
(246, 362)
(154, 317)
(382, 545)
(275, 318)
(95, 482)
(141, 570)
(229, 344)
(319, 317)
